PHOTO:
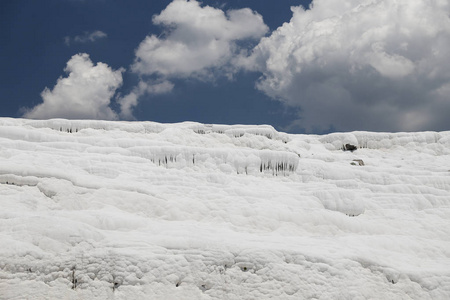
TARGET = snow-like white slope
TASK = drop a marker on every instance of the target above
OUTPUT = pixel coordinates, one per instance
(117, 210)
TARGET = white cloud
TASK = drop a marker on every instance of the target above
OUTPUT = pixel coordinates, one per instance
(85, 37)
(198, 42)
(128, 102)
(361, 65)
(197, 39)
(84, 94)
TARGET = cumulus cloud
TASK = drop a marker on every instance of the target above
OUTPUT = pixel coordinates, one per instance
(197, 39)
(84, 94)
(128, 102)
(85, 37)
(198, 42)
(361, 65)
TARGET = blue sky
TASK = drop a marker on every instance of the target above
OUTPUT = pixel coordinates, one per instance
(332, 66)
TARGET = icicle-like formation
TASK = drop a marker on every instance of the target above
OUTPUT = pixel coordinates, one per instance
(237, 131)
(242, 161)
(72, 126)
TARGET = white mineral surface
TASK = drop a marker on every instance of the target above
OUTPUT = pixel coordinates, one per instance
(142, 210)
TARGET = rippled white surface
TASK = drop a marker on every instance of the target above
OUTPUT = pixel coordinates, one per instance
(191, 211)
